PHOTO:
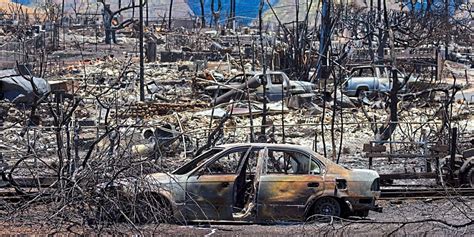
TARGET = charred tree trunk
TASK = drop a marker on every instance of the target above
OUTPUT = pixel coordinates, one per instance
(216, 14)
(203, 18)
(386, 131)
(325, 38)
(169, 14)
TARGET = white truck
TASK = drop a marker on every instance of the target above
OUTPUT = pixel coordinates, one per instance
(277, 87)
(371, 78)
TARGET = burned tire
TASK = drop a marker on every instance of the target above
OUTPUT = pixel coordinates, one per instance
(362, 213)
(152, 208)
(360, 93)
(112, 206)
(325, 208)
(469, 178)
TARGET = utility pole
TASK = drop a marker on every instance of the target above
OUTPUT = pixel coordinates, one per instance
(325, 39)
(142, 58)
(296, 40)
(264, 78)
(62, 26)
(233, 13)
(203, 18)
(381, 33)
(146, 22)
(231, 18)
(169, 14)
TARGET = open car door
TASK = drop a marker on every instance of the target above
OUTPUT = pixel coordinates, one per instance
(246, 197)
(210, 189)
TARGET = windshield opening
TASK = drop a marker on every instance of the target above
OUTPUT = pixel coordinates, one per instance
(197, 161)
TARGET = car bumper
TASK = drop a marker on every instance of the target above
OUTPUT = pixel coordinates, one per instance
(362, 204)
(349, 92)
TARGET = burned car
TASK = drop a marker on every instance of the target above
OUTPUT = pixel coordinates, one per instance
(19, 89)
(372, 78)
(258, 183)
(278, 86)
(227, 85)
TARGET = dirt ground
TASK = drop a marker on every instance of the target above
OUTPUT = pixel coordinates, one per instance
(453, 217)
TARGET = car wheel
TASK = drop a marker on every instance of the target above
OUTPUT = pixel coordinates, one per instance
(113, 205)
(326, 207)
(360, 93)
(469, 178)
(152, 208)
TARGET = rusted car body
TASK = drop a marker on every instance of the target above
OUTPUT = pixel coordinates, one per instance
(263, 183)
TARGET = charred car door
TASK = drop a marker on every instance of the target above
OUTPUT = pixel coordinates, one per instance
(277, 87)
(290, 179)
(210, 189)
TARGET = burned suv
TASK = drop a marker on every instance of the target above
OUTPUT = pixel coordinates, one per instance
(258, 183)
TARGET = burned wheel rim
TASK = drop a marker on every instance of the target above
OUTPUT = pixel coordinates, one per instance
(113, 205)
(152, 208)
(327, 207)
(470, 177)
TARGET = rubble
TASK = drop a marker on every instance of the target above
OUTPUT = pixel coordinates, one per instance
(91, 115)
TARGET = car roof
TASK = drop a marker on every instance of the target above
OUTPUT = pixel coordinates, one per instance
(372, 66)
(257, 144)
(261, 72)
(275, 145)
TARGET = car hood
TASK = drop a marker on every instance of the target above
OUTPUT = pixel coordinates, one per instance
(360, 79)
(223, 87)
(163, 178)
(303, 83)
(150, 179)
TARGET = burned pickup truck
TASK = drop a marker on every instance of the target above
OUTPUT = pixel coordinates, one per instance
(372, 78)
(253, 182)
(277, 87)
(16, 88)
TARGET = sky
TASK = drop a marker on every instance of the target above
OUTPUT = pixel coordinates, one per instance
(246, 10)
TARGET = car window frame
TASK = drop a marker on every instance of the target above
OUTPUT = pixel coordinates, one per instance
(383, 72)
(322, 166)
(270, 77)
(197, 158)
(217, 156)
(359, 70)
